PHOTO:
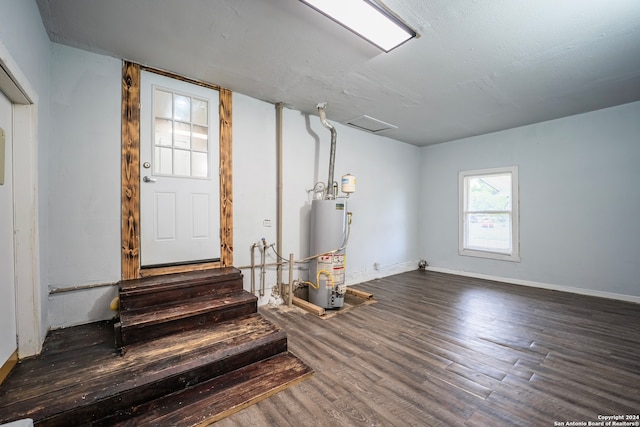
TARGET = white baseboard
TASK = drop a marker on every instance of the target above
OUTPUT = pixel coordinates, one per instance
(520, 282)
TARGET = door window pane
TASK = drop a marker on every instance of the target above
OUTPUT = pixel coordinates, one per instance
(163, 164)
(162, 103)
(200, 165)
(163, 132)
(181, 108)
(182, 165)
(181, 134)
(182, 137)
(200, 112)
(200, 138)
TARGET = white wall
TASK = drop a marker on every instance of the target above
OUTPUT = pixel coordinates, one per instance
(85, 187)
(572, 171)
(579, 202)
(22, 35)
(384, 206)
(84, 165)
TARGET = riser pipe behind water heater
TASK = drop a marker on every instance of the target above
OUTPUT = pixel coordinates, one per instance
(328, 233)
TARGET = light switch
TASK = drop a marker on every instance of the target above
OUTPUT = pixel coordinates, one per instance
(2, 138)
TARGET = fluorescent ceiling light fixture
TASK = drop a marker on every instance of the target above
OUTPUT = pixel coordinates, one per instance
(366, 19)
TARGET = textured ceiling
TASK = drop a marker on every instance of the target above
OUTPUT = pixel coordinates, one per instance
(478, 66)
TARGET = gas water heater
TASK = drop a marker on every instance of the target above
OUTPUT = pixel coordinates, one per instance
(328, 238)
(329, 234)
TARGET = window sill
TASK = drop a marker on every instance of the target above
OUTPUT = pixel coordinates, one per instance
(490, 255)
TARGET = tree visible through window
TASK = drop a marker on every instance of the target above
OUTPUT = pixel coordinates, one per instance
(489, 213)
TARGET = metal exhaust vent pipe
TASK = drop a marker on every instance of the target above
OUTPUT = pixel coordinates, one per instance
(332, 154)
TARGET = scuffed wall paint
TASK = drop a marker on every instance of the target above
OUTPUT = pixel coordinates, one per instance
(80, 307)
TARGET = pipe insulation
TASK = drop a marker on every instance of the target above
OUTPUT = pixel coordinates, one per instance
(329, 194)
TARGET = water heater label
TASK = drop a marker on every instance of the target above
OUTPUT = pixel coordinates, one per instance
(339, 206)
(333, 266)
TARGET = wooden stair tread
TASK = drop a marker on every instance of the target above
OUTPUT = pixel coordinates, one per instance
(192, 349)
(213, 400)
(159, 283)
(154, 291)
(181, 309)
(148, 364)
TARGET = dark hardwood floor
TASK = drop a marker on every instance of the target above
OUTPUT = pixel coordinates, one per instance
(438, 349)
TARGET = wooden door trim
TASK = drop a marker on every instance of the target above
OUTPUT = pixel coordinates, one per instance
(226, 183)
(130, 175)
(130, 197)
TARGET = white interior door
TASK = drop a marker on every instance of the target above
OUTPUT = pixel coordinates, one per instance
(8, 330)
(179, 171)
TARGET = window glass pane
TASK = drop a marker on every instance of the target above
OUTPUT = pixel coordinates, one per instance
(489, 220)
(200, 138)
(163, 132)
(200, 112)
(162, 103)
(182, 108)
(163, 163)
(491, 232)
(200, 165)
(182, 137)
(182, 163)
(489, 193)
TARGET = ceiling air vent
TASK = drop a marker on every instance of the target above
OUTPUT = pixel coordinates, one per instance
(370, 124)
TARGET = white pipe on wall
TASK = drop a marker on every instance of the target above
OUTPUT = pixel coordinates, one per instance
(279, 107)
(253, 268)
(263, 267)
(290, 293)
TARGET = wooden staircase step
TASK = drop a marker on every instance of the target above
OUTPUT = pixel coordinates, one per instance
(158, 290)
(153, 322)
(210, 401)
(149, 371)
(193, 350)
(167, 312)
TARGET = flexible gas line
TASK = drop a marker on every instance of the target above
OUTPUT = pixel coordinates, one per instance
(304, 282)
(328, 275)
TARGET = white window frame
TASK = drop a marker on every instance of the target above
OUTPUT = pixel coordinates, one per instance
(514, 256)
